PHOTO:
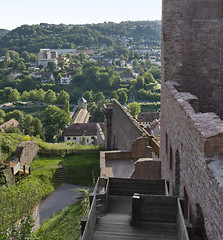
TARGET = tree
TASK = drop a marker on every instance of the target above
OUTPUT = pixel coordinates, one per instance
(67, 106)
(51, 66)
(140, 82)
(123, 97)
(50, 97)
(25, 96)
(14, 96)
(55, 119)
(38, 128)
(99, 96)
(156, 72)
(134, 108)
(63, 97)
(114, 95)
(17, 114)
(40, 95)
(33, 95)
(88, 95)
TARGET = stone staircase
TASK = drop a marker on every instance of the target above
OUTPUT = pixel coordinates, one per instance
(62, 173)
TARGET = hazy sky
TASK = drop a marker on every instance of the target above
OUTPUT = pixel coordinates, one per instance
(14, 13)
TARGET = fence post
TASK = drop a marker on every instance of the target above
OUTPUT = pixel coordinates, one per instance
(135, 209)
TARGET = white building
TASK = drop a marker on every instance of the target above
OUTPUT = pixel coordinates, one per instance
(82, 133)
(66, 79)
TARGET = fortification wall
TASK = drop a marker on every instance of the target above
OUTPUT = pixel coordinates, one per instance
(125, 129)
(192, 49)
(191, 153)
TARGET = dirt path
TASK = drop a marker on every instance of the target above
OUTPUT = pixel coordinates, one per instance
(62, 197)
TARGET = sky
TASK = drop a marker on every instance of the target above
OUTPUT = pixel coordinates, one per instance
(14, 13)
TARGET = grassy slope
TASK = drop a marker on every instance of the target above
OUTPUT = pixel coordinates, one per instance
(82, 169)
(65, 225)
(15, 201)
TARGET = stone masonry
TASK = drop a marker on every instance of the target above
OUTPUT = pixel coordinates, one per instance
(191, 111)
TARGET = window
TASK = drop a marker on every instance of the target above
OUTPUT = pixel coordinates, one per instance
(68, 138)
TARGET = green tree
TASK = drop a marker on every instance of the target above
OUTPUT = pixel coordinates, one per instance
(99, 96)
(63, 97)
(25, 96)
(67, 106)
(50, 97)
(123, 97)
(134, 108)
(17, 114)
(114, 95)
(55, 120)
(88, 95)
(156, 72)
(38, 128)
(52, 66)
(14, 96)
(40, 95)
(33, 95)
(140, 82)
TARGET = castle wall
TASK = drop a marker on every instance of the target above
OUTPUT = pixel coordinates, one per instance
(124, 128)
(192, 49)
(191, 154)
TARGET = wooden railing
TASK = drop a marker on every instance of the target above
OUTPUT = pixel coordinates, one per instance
(141, 208)
(91, 221)
(181, 227)
(92, 215)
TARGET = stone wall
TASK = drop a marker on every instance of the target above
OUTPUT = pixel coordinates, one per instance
(122, 128)
(192, 156)
(192, 49)
(26, 151)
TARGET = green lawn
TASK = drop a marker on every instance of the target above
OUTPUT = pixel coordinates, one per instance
(83, 169)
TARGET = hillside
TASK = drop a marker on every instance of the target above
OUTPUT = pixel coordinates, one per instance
(3, 32)
(32, 38)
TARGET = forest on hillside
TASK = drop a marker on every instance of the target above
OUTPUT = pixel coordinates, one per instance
(32, 38)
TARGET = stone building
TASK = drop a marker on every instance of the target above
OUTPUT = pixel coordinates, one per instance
(192, 111)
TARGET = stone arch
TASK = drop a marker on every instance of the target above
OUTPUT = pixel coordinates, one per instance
(199, 231)
(176, 190)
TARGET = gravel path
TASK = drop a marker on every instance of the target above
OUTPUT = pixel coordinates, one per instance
(62, 197)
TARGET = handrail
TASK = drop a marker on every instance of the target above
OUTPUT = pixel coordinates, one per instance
(166, 189)
(91, 221)
(107, 194)
(91, 218)
(181, 227)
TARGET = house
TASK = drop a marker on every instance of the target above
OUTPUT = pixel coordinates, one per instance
(15, 74)
(35, 74)
(11, 123)
(127, 76)
(82, 132)
(145, 118)
(65, 79)
(155, 127)
(47, 77)
(46, 55)
(87, 52)
(75, 66)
